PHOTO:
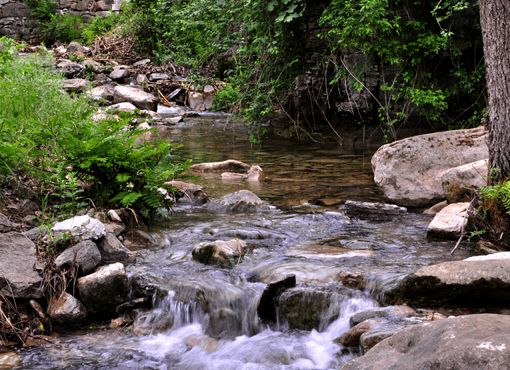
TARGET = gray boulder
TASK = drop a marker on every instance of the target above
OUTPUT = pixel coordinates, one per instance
(136, 96)
(409, 171)
(479, 341)
(66, 309)
(81, 227)
(449, 222)
(18, 277)
(222, 253)
(188, 192)
(480, 282)
(105, 289)
(85, 256)
(75, 85)
(461, 183)
(242, 201)
(70, 69)
(102, 93)
(119, 73)
(112, 250)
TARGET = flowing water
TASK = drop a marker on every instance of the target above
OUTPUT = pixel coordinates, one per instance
(205, 317)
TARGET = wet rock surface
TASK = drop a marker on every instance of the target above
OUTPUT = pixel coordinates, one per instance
(479, 341)
(240, 201)
(222, 253)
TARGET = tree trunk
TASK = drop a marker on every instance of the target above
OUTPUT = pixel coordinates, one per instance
(495, 23)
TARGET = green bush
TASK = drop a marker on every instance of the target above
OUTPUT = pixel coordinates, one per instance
(226, 99)
(49, 136)
(63, 28)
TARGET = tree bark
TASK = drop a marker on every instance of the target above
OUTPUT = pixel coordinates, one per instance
(495, 24)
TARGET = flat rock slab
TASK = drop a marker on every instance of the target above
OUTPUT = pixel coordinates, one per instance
(466, 342)
(230, 165)
(467, 283)
(449, 222)
(18, 277)
(136, 96)
(409, 171)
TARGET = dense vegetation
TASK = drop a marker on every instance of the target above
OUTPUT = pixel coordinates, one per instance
(48, 139)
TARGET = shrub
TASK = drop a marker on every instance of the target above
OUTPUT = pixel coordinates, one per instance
(49, 135)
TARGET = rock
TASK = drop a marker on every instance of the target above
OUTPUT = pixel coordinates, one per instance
(142, 79)
(223, 323)
(200, 100)
(112, 250)
(66, 309)
(479, 282)
(266, 308)
(70, 69)
(307, 308)
(372, 211)
(5, 224)
(142, 62)
(153, 77)
(449, 222)
(204, 342)
(230, 165)
(175, 111)
(102, 93)
(499, 256)
(119, 74)
(82, 227)
(351, 338)
(461, 183)
(115, 228)
(382, 312)
(242, 201)
(222, 253)
(77, 49)
(436, 208)
(75, 85)
(378, 333)
(480, 341)
(188, 192)
(136, 96)
(409, 171)
(122, 107)
(114, 216)
(10, 360)
(139, 239)
(255, 173)
(85, 255)
(18, 278)
(92, 65)
(105, 289)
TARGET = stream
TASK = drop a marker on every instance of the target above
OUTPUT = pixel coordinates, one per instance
(205, 317)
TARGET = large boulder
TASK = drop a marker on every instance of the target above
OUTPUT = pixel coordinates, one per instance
(138, 97)
(466, 342)
(450, 221)
(222, 253)
(18, 277)
(409, 171)
(480, 282)
(462, 182)
(105, 289)
(66, 309)
(112, 250)
(81, 227)
(85, 256)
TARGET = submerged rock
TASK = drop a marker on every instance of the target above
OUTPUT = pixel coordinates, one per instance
(392, 312)
(409, 171)
(479, 282)
(230, 165)
(105, 289)
(372, 211)
(85, 256)
(66, 309)
(479, 341)
(82, 227)
(18, 277)
(450, 221)
(255, 173)
(222, 253)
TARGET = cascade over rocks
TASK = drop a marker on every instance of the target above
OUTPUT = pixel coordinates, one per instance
(18, 277)
(266, 309)
(409, 171)
(480, 341)
(478, 282)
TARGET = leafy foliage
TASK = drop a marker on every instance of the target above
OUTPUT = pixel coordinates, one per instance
(50, 136)
(499, 193)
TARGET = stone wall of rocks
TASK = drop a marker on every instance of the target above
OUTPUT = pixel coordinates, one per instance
(15, 19)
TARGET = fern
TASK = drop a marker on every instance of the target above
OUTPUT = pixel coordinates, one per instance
(499, 193)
